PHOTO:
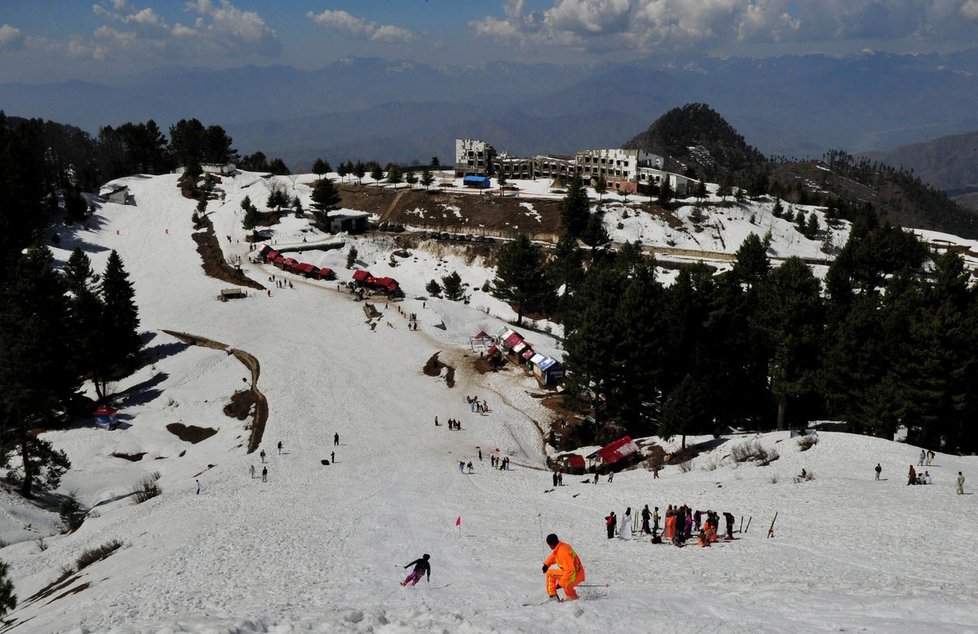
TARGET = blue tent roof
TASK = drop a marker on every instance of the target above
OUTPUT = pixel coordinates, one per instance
(476, 180)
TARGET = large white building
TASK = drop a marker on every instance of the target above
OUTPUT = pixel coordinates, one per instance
(618, 167)
(473, 157)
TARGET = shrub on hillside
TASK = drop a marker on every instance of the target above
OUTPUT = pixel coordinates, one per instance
(752, 451)
(90, 556)
(71, 516)
(147, 489)
(807, 442)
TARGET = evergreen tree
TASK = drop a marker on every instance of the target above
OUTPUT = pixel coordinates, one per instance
(595, 234)
(683, 412)
(86, 309)
(665, 192)
(725, 187)
(601, 187)
(566, 268)
(359, 170)
(38, 372)
(376, 173)
(520, 279)
(426, 178)
(277, 198)
(8, 600)
(297, 206)
(791, 318)
(278, 167)
(433, 288)
(701, 192)
(120, 323)
(351, 257)
(256, 162)
(342, 171)
(778, 210)
(452, 285)
(574, 209)
(320, 168)
(325, 198)
(811, 226)
(752, 264)
(394, 175)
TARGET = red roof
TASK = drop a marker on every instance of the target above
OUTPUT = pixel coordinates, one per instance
(512, 340)
(528, 353)
(278, 259)
(271, 255)
(617, 450)
(492, 350)
(361, 276)
(290, 262)
(305, 267)
(105, 411)
(387, 282)
(326, 272)
(576, 461)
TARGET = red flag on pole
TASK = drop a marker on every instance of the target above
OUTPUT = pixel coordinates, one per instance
(458, 522)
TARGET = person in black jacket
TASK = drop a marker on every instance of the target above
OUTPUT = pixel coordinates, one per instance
(421, 567)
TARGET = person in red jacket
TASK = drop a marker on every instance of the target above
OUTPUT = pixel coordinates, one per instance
(568, 573)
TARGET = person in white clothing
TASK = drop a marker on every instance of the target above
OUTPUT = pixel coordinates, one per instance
(625, 526)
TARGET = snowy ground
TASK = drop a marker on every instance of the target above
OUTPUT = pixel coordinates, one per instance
(320, 548)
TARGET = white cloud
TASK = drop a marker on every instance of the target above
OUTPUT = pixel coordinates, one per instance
(360, 28)
(218, 27)
(11, 38)
(656, 25)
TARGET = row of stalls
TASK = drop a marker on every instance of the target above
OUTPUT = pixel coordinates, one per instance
(386, 285)
(510, 345)
(268, 255)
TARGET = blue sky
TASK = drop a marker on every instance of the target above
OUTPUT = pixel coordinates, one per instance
(55, 40)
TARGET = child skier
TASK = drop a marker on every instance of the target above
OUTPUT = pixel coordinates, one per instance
(421, 567)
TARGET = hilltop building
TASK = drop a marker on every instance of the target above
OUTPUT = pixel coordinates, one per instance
(624, 170)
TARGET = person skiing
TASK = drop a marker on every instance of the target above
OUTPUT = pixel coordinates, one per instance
(610, 522)
(960, 483)
(878, 470)
(569, 571)
(336, 439)
(911, 476)
(421, 567)
(646, 516)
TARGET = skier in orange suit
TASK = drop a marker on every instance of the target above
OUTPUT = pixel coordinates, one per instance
(569, 572)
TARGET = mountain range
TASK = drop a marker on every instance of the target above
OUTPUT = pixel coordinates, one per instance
(369, 108)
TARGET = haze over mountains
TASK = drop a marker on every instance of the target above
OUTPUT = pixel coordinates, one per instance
(404, 111)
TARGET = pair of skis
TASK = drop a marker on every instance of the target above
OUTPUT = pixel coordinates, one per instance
(559, 600)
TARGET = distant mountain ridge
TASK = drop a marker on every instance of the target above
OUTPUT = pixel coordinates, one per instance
(792, 105)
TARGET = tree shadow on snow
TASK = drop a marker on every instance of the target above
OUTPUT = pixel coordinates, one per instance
(141, 393)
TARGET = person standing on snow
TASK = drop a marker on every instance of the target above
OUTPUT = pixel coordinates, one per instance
(264, 474)
(923, 456)
(569, 571)
(336, 439)
(960, 483)
(878, 470)
(625, 530)
(280, 447)
(262, 456)
(610, 522)
(421, 567)
(655, 521)
(728, 516)
(911, 476)
(252, 470)
(646, 516)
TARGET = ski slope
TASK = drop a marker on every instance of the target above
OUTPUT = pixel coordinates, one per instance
(321, 548)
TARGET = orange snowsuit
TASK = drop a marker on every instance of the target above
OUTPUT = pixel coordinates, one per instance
(569, 573)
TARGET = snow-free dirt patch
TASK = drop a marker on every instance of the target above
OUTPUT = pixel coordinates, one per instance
(190, 433)
(434, 367)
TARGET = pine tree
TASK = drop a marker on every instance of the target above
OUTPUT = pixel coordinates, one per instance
(86, 309)
(394, 174)
(38, 370)
(520, 277)
(452, 285)
(574, 209)
(351, 257)
(791, 318)
(277, 198)
(601, 187)
(778, 209)
(320, 168)
(8, 600)
(433, 288)
(683, 412)
(811, 226)
(325, 198)
(426, 178)
(752, 264)
(665, 192)
(342, 171)
(297, 207)
(376, 173)
(359, 170)
(278, 167)
(120, 323)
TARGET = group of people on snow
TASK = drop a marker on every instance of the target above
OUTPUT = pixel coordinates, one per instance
(477, 406)
(680, 523)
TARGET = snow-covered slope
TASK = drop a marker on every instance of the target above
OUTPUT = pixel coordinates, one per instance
(321, 548)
